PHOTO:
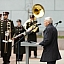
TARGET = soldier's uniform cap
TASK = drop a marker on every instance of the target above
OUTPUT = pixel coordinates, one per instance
(0, 15)
(31, 16)
(18, 20)
(5, 13)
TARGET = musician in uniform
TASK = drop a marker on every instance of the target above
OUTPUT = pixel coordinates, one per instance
(5, 54)
(0, 29)
(18, 50)
(0, 35)
(32, 36)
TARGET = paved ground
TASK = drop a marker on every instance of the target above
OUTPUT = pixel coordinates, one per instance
(34, 60)
(39, 52)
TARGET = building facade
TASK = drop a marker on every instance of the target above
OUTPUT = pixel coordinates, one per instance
(19, 10)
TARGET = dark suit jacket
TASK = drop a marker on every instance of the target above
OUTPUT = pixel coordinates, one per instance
(50, 44)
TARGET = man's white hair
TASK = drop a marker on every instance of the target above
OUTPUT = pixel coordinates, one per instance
(49, 19)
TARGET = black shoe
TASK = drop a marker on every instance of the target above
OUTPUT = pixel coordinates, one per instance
(8, 61)
(5, 63)
(19, 59)
(29, 56)
(35, 56)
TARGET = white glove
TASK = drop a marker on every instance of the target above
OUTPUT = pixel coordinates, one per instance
(10, 40)
(6, 33)
(37, 43)
(29, 29)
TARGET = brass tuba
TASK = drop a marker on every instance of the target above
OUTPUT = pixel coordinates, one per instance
(38, 10)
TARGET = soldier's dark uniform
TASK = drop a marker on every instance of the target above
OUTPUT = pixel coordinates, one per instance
(32, 37)
(6, 56)
(0, 36)
(18, 50)
(0, 31)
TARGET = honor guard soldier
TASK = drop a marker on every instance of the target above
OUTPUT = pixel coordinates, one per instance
(0, 33)
(7, 31)
(32, 36)
(18, 50)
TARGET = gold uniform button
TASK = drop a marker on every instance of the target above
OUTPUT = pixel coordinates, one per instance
(19, 32)
(1, 25)
(1, 32)
(29, 23)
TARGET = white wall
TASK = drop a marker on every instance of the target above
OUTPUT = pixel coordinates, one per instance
(19, 10)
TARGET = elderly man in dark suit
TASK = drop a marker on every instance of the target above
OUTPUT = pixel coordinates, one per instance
(51, 52)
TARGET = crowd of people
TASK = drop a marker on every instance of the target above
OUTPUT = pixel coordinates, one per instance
(8, 31)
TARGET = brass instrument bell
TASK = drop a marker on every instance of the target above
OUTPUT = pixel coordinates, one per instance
(38, 10)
